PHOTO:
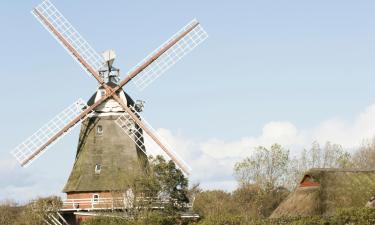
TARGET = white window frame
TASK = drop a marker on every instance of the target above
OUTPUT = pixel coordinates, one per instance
(99, 130)
(95, 198)
(98, 168)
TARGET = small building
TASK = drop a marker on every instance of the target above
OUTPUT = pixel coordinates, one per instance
(324, 191)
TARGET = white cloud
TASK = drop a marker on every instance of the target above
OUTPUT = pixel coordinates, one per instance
(350, 134)
(284, 133)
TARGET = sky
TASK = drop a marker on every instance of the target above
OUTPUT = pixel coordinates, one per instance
(289, 72)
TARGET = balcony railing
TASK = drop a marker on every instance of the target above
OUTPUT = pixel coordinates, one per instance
(90, 204)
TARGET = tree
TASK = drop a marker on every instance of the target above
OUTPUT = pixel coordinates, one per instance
(171, 182)
(314, 159)
(364, 157)
(334, 156)
(331, 156)
(266, 167)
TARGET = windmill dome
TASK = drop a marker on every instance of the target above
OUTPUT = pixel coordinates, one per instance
(110, 106)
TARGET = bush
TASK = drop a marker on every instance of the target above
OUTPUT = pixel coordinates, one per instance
(362, 216)
(107, 220)
(9, 212)
(36, 211)
(355, 216)
(145, 219)
(222, 219)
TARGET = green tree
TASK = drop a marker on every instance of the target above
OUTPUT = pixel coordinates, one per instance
(170, 182)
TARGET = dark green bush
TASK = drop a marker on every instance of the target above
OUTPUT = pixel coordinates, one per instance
(108, 221)
(149, 218)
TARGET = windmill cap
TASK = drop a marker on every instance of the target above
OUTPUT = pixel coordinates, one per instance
(109, 56)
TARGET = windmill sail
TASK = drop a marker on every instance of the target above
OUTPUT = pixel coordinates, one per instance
(37, 143)
(195, 35)
(134, 130)
(60, 28)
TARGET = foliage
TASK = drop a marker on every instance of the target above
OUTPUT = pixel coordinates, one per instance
(266, 167)
(358, 216)
(248, 202)
(222, 219)
(331, 156)
(171, 182)
(213, 203)
(32, 213)
(148, 218)
(35, 212)
(8, 212)
(364, 157)
(108, 221)
(161, 180)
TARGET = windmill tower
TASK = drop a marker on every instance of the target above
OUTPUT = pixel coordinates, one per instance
(105, 156)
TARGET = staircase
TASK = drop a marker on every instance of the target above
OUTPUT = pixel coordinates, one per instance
(55, 218)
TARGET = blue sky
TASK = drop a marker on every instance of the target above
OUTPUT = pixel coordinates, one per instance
(285, 71)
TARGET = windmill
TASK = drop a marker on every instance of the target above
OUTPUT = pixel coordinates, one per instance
(110, 113)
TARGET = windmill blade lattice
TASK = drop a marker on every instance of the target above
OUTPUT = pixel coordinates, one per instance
(28, 150)
(136, 134)
(171, 56)
(51, 18)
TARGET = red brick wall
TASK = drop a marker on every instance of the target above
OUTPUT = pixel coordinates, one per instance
(104, 201)
(80, 218)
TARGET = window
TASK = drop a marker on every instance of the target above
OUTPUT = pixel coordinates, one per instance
(102, 92)
(95, 198)
(98, 168)
(99, 130)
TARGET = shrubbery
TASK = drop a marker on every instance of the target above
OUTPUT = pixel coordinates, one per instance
(150, 218)
(32, 213)
(358, 216)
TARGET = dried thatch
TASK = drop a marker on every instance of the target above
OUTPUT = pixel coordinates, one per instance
(323, 191)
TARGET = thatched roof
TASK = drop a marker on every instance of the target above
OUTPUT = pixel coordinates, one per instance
(323, 191)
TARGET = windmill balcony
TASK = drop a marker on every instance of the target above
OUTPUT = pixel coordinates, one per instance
(114, 203)
(90, 204)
